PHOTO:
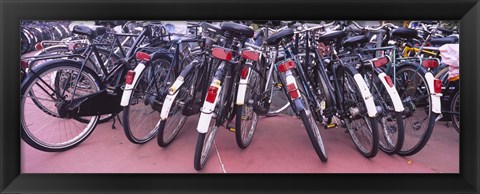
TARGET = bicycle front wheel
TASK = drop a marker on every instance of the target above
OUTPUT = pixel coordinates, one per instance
(46, 124)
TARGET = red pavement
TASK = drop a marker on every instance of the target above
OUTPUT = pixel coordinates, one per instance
(280, 145)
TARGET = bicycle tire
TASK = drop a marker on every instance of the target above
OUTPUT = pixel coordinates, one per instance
(149, 111)
(371, 134)
(33, 137)
(246, 118)
(415, 95)
(455, 109)
(175, 110)
(391, 122)
(205, 140)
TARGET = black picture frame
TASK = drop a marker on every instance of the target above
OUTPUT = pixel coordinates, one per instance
(12, 11)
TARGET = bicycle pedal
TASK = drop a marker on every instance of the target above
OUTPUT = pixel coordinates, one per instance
(331, 125)
(231, 129)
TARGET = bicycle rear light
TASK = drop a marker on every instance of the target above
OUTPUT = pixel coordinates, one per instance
(221, 53)
(389, 81)
(252, 55)
(286, 66)
(129, 77)
(23, 64)
(380, 62)
(292, 90)
(244, 72)
(437, 86)
(211, 94)
(141, 56)
(38, 46)
(430, 63)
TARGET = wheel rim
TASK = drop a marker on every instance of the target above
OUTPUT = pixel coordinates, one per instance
(413, 91)
(359, 128)
(51, 131)
(143, 119)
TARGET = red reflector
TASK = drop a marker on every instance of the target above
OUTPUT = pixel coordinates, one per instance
(380, 62)
(23, 64)
(141, 56)
(211, 94)
(389, 81)
(286, 66)
(252, 55)
(292, 90)
(437, 86)
(129, 77)
(430, 63)
(244, 72)
(38, 46)
(222, 54)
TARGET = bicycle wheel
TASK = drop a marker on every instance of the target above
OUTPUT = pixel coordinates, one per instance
(362, 128)
(279, 102)
(205, 140)
(390, 122)
(170, 127)
(141, 118)
(246, 118)
(455, 109)
(313, 133)
(46, 125)
(418, 117)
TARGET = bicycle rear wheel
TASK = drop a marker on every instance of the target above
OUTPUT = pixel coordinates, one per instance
(455, 109)
(205, 140)
(418, 118)
(141, 119)
(362, 128)
(45, 95)
(246, 118)
(390, 122)
(170, 127)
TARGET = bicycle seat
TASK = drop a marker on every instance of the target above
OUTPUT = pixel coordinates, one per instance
(353, 41)
(274, 23)
(445, 31)
(442, 41)
(402, 32)
(275, 38)
(237, 29)
(331, 36)
(211, 27)
(85, 30)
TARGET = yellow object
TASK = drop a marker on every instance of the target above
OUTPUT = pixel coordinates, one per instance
(331, 126)
(232, 129)
(279, 85)
(457, 77)
(408, 49)
(410, 162)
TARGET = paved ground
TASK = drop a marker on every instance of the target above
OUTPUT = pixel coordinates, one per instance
(280, 145)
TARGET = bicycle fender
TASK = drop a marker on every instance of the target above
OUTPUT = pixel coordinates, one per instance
(366, 95)
(242, 88)
(127, 93)
(435, 97)
(397, 102)
(207, 110)
(172, 94)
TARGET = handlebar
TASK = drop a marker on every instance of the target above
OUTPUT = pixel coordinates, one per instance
(315, 27)
(373, 30)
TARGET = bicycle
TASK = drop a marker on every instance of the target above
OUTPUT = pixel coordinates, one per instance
(71, 95)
